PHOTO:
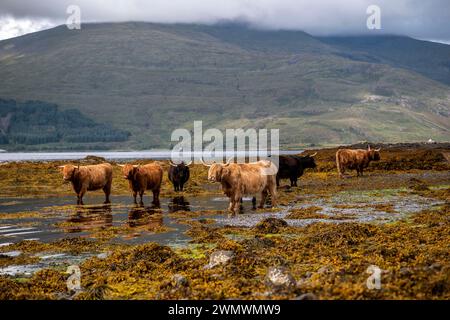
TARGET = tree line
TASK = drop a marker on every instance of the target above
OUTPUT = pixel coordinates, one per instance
(37, 122)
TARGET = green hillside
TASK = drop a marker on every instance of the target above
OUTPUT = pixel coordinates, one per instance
(150, 79)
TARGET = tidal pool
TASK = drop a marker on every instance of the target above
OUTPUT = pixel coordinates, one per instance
(56, 218)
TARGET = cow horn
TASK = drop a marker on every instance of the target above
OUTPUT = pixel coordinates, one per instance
(229, 161)
(136, 165)
(313, 155)
(172, 164)
(121, 165)
(61, 166)
(189, 163)
(368, 147)
(378, 150)
(203, 162)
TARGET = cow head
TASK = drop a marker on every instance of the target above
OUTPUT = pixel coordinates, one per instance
(129, 170)
(374, 154)
(308, 161)
(180, 170)
(69, 172)
(216, 170)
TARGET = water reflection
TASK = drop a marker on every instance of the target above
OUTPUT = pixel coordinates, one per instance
(147, 218)
(179, 203)
(88, 218)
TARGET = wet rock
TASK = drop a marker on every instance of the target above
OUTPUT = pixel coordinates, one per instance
(218, 258)
(280, 279)
(180, 280)
(271, 225)
(103, 255)
(307, 296)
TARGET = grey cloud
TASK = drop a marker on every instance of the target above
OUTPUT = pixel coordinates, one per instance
(421, 19)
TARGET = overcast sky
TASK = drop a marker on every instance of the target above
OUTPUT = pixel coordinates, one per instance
(422, 19)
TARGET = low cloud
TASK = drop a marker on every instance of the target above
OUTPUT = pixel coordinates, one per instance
(421, 19)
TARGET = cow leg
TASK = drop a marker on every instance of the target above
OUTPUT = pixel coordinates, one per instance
(134, 197)
(155, 196)
(237, 203)
(341, 172)
(340, 168)
(254, 203)
(141, 195)
(273, 195)
(80, 196)
(263, 199)
(107, 191)
(278, 181)
(293, 181)
(181, 187)
(231, 205)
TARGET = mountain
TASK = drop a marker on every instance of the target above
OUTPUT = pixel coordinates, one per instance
(427, 58)
(149, 79)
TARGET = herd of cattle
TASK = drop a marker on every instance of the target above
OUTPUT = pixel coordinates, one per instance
(237, 179)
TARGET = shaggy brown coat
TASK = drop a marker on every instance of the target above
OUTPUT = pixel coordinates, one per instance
(242, 179)
(89, 178)
(144, 177)
(355, 160)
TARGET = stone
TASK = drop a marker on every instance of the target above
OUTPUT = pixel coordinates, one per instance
(280, 279)
(180, 280)
(220, 257)
(306, 296)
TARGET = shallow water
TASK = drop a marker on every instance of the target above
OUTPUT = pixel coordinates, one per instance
(56, 218)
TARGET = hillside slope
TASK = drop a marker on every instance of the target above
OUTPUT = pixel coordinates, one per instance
(150, 79)
(34, 124)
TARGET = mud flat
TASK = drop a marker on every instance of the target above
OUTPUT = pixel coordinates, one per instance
(321, 239)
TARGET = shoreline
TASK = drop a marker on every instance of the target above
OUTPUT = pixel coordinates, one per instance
(324, 235)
